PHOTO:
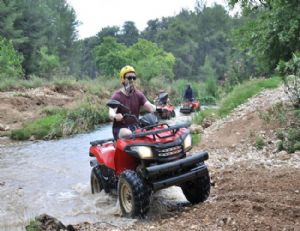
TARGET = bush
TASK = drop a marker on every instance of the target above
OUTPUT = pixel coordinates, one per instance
(290, 73)
(200, 116)
(259, 142)
(196, 138)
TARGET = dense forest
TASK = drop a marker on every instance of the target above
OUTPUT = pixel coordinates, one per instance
(205, 45)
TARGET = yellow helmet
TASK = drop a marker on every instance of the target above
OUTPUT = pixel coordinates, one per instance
(124, 71)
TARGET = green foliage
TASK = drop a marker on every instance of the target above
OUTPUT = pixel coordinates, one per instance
(129, 34)
(84, 118)
(277, 113)
(211, 88)
(290, 73)
(289, 133)
(206, 113)
(10, 61)
(148, 59)
(40, 128)
(259, 142)
(180, 86)
(196, 138)
(241, 67)
(102, 86)
(48, 63)
(244, 91)
(8, 84)
(271, 31)
(34, 225)
(289, 139)
(34, 24)
(110, 56)
(58, 123)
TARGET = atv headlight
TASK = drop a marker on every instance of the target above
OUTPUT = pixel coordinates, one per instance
(143, 151)
(187, 143)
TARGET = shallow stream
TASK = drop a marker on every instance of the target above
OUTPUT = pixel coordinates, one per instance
(53, 177)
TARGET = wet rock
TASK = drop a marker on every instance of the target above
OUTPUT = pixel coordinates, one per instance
(4, 127)
(283, 155)
(207, 122)
(49, 223)
(32, 138)
(196, 129)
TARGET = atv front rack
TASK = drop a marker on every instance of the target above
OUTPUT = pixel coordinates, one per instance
(174, 129)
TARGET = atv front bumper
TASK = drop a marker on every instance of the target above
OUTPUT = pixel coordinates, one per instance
(177, 172)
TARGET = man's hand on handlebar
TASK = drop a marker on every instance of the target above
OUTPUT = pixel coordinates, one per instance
(119, 117)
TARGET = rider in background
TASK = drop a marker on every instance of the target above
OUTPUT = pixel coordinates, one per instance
(188, 93)
(162, 98)
(131, 97)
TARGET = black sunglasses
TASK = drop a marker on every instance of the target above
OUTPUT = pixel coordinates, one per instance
(131, 77)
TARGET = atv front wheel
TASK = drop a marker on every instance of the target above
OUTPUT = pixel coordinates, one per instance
(134, 195)
(197, 190)
(96, 185)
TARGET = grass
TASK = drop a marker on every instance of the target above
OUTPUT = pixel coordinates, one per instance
(200, 116)
(241, 93)
(259, 142)
(9, 84)
(196, 138)
(34, 226)
(40, 128)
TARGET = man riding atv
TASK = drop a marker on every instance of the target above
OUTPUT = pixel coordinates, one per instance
(145, 156)
(129, 96)
(164, 109)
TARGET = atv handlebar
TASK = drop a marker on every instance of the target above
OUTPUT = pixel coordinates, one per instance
(173, 128)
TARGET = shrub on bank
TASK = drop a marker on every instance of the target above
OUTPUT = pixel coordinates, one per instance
(59, 123)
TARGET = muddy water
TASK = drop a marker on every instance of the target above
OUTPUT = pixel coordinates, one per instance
(53, 177)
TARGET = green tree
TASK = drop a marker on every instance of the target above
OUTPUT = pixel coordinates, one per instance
(33, 24)
(48, 63)
(9, 13)
(129, 34)
(110, 56)
(111, 31)
(211, 88)
(271, 32)
(10, 61)
(151, 60)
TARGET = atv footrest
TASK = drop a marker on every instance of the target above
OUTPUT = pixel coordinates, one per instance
(192, 174)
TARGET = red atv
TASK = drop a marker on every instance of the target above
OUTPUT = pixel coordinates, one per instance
(153, 157)
(164, 109)
(188, 106)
